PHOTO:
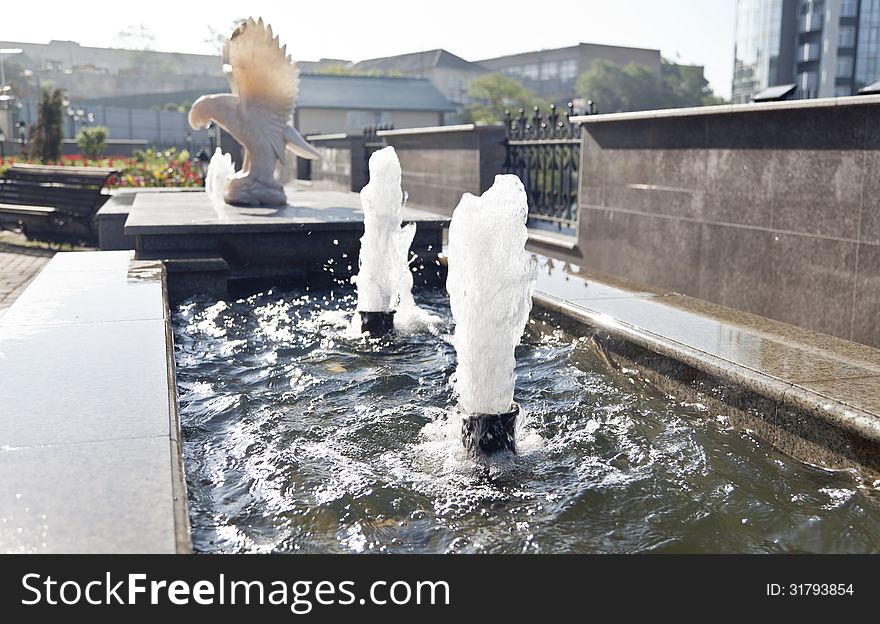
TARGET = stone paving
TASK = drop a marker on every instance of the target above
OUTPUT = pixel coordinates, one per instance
(19, 264)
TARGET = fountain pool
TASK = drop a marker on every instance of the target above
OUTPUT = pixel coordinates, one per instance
(300, 436)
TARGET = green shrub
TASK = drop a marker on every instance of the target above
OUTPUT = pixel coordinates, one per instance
(48, 133)
(92, 140)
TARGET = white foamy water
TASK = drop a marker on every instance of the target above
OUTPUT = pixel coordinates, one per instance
(384, 281)
(490, 284)
(220, 168)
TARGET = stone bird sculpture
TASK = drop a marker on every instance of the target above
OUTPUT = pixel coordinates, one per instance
(257, 113)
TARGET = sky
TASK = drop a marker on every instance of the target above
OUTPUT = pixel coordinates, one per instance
(688, 31)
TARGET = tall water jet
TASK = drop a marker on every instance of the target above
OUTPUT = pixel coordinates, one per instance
(490, 284)
(220, 169)
(384, 280)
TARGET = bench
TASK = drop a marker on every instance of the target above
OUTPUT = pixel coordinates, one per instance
(53, 203)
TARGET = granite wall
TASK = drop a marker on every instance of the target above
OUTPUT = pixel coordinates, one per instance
(769, 208)
(440, 164)
(342, 165)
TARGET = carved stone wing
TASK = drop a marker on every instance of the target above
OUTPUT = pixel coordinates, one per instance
(264, 78)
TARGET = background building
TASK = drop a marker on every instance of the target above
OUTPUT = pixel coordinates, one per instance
(330, 103)
(451, 74)
(828, 48)
(84, 71)
(326, 104)
(552, 74)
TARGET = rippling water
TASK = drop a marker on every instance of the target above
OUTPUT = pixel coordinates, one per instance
(299, 436)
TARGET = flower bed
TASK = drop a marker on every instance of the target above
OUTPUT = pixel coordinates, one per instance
(144, 169)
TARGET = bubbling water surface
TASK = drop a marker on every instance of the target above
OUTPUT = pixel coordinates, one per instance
(302, 436)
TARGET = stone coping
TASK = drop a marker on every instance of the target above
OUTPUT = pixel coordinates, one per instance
(427, 130)
(307, 210)
(333, 136)
(723, 109)
(832, 378)
(89, 436)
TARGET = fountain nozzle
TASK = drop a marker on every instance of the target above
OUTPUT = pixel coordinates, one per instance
(487, 434)
(377, 323)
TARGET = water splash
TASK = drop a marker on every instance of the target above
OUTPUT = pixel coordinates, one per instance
(219, 170)
(384, 281)
(490, 284)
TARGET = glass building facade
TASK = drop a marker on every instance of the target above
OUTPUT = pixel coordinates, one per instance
(867, 69)
(758, 46)
(828, 48)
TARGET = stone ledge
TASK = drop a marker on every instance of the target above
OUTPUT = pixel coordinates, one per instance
(806, 380)
(90, 454)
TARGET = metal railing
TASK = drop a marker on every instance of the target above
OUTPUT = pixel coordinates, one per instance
(544, 151)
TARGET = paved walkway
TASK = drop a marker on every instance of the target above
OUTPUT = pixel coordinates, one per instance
(19, 264)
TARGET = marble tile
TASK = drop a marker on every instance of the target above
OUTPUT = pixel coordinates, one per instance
(801, 280)
(564, 280)
(737, 186)
(99, 497)
(192, 213)
(861, 355)
(813, 439)
(658, 251)
(789, 128)
(782, 359)
(85, 382)
(673, 133)
(866, 306)
(735, 267)
(811, 282)
(661, 182)
(817, 193)
(862, 394)
(87, 297)
(870, 208)
(79, 261)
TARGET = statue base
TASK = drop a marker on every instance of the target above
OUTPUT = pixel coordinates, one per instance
(250, 191)
(377, 323)
(487, 434)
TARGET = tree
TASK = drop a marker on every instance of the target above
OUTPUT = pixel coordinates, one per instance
(616, 88)
(636, 87)
(685, 85)
(92, 141)
(48, 133)
(494, 93)
(340, 69)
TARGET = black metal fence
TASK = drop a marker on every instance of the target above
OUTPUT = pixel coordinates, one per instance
(544, 151)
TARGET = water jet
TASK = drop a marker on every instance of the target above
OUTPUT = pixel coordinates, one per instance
(490, 284)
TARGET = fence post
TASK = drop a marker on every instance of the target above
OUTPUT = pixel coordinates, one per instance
(544, 152)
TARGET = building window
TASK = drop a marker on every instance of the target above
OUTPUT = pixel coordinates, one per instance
(568, 69)
(515, 71)
(807, 83)
(842, 91)
(809, 52)
(550, 70)
(844, 66)
(847, 36)
(812, 6)
(362, 119)
(847, 8)
(530, 71)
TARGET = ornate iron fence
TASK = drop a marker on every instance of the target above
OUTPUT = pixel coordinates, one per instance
(544, 151)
